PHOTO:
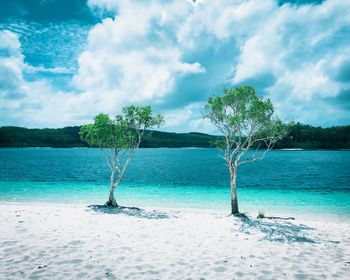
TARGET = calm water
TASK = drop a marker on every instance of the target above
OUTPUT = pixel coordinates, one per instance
(313, 182)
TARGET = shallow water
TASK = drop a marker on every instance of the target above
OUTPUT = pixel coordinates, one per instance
(309, 182)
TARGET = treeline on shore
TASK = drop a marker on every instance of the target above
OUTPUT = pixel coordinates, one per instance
(300, 136)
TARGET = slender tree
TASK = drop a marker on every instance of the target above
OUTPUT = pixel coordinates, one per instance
(119, 138)
(249, 127)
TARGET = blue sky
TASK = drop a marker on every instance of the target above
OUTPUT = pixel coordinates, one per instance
(64, 61)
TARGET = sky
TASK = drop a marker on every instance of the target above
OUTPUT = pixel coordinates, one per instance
(64, 61)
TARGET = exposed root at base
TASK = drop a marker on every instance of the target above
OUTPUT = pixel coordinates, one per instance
(242, 216)
(109, 205)
(279, 218)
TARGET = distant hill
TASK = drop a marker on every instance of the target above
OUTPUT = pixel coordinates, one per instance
(67, 137)
(300, 136)
(310, 137)
(12, 136)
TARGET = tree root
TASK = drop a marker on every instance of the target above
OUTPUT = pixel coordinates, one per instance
(243, 216)
(109, 205)
(239, 215)
(278, 218)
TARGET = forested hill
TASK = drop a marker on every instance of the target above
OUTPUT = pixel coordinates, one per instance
(310, 137)
(67, 137)
(300, 136)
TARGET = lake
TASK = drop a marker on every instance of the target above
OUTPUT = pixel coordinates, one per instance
(305, 182)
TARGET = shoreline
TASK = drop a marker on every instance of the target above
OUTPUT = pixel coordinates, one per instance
(251, 213)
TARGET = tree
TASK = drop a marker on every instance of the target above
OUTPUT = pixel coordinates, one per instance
(248, 125)
(120, 136)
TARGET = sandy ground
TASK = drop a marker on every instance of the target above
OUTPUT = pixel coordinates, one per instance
(71, 242)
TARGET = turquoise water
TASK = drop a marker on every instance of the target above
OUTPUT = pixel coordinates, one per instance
(311, 182)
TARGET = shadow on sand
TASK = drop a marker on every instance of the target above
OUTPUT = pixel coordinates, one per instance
(276, 230)
(129, 211)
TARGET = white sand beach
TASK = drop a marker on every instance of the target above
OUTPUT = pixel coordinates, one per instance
(74, 242)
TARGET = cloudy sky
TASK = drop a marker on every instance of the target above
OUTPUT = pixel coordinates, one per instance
(64, 61)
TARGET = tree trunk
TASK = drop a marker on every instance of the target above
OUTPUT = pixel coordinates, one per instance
(111, 200)
(234, 201)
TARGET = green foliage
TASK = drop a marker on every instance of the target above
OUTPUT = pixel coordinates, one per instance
(107, 133)
(261, 215)
(122, 132)
(241, 113)
(139, 117)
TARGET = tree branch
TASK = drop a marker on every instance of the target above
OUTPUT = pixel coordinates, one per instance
(269, 142)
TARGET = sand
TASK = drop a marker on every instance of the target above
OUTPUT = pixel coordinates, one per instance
(74, 242)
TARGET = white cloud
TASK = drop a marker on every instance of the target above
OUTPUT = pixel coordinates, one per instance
(160, 51)
(11, 64)
(202, 125)
(132, 57)
(9, 41)
(32, 103)
(176, 118)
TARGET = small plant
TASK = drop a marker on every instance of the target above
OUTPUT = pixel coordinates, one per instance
(261, 215)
